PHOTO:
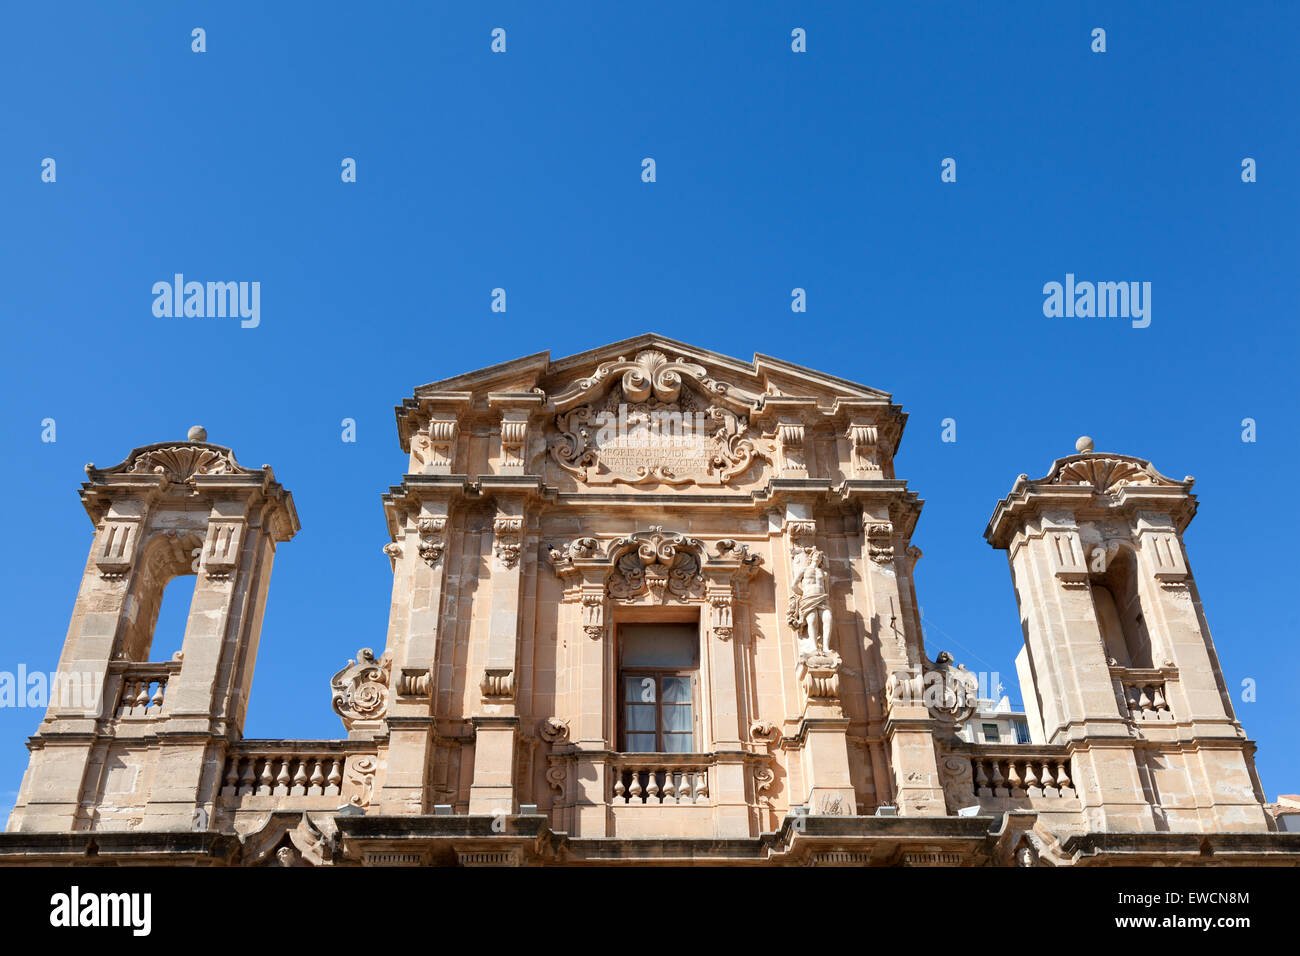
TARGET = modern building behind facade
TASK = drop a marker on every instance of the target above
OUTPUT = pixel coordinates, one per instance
(994, 722)
(650, 604)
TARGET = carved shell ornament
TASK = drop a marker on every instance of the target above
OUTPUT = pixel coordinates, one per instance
(178, 462)
(184, 461)
(1107, 474)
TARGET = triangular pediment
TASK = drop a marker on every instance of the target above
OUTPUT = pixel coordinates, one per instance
(653, 410)
(764, 375)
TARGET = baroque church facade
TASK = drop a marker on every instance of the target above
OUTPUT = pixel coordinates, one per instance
(651, 604)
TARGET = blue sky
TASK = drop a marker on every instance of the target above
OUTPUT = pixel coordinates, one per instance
(775, 170)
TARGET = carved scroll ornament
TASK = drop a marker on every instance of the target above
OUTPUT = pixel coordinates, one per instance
(652, 428)
(361, 688)
(655, 562)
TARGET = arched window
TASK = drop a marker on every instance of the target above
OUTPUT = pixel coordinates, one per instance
(1119, 611)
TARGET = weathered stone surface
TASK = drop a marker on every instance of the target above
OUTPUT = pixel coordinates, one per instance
(748, 514)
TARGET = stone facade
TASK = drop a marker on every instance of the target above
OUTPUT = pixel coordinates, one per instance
(650, 604)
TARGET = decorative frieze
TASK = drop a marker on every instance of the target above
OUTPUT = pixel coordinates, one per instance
(593, 613)
(819, 675)
(789, 436)
(720, 601)
(117, 548)
(434, 448)
(221, 548)
(507, 539)
(514, 436)
(1160, 545)
(498, 682)
(880, 540)
(862, 449)
(415, 682)
(1066, 552)
(433, 541)
(801, 532)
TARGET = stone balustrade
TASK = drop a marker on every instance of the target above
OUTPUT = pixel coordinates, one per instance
(1015, 775)
(142, 689)
(261, 773)
(660, 781)
(1147, 701)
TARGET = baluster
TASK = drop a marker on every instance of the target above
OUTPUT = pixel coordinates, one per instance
(1063, 776)
(1144, 701)
(670, 791)
(652, 790)
(1158, 698)
(702, 787)
(1131, 692)
(282, 778)
(1048, 782)
(620, 791)
(636, 787)
(981, 778)
(1031, 778)
(142, 698)
(1013, 779)
(246, 779)
(232, 777)
(332, 781)
(997, 777)
(156, 701)
(317, 780)
(267, 779)
(686, 793)
(300, 778)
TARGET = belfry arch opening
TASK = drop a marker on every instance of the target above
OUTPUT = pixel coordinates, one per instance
(161, 596)
(1120, 614)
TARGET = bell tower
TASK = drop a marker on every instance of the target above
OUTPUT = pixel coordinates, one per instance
(1118, 663)
(130, 741)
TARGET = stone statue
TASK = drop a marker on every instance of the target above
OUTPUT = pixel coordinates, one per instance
(809, 612)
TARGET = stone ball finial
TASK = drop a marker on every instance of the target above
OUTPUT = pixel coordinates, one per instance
(1083, 445)
(197, 433)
